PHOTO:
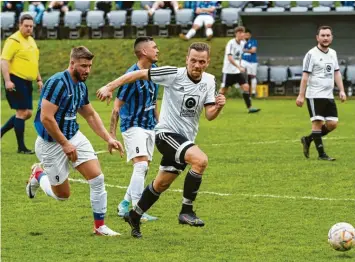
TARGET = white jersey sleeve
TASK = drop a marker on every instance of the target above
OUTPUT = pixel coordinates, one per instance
(164, 75)
(336, 63)
(229, 48)
(211, 94)
(308, 63)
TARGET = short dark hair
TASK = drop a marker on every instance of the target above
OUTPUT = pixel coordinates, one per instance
(142, 39)
(247, 30)
(324, 27)
(81, 52)
(239, 29)
(25, 17)
(200, 47)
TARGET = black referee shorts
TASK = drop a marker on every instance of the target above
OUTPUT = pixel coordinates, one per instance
(22, 97)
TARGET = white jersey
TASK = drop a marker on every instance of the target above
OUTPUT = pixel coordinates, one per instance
(183, 99)
(236, 50)
(321, 67)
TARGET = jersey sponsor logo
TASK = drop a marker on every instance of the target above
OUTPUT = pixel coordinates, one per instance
(189, 105)
(202, 87)
(328, 70)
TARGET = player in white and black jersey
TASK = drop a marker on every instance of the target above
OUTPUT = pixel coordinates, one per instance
(233, 72)
(320, 70)
(188, 90)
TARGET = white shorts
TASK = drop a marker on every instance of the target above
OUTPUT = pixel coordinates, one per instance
(139, 142)
(250, 67)
(201, 20)
(55, 161)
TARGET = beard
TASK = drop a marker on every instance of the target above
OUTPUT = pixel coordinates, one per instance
(325, 45)
(78, 76)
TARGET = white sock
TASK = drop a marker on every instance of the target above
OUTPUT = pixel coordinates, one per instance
(191, 33)
(98, 195)
(47, 188)
(209, 32)
(136, 185)
(127, 196)
(253, 85)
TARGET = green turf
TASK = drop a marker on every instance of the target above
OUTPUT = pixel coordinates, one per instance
(250, 157)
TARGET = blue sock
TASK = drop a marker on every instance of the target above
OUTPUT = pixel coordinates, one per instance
(19, 125)
(8, 125)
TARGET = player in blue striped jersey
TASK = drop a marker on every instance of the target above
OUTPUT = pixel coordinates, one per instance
(60, 142)
(136, 106)
(250, 59)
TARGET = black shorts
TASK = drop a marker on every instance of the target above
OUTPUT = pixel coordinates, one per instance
(22, 97)
(173, 148)
(232, 79)
(322, 109)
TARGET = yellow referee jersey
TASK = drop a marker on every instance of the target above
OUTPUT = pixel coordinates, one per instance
(23, 56)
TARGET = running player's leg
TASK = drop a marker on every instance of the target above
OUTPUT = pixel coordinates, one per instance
(246, 93)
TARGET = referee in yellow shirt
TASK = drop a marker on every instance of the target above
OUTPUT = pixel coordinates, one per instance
(19, 64)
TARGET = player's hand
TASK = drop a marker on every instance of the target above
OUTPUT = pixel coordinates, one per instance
(70, 151)
(220, 100)
(10, 86)
(300, 100)
(104, 93)
(40, 85)
(342, 96)
(114, 144)
(242, 69)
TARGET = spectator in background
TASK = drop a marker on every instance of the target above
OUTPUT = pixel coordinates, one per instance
(190, 5)
(205, 12)
(347, 3)
(124, 5)
(147, 5)
(61, 6)
(13, 6)
(38, 7)
(103, 6)
(173, 5)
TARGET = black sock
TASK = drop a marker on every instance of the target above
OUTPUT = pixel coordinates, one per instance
(148, 198)
(325, 130)
(19, 125)
(309, 138)
(8, 125)
(191, 186)
(317, 137)
(247, 99)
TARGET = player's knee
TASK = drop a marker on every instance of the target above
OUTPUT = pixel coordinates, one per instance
(28, 114)
(62, 196)
(196, 27)
(332, 125)
(97, 184)
(201, 163)
(161, 186)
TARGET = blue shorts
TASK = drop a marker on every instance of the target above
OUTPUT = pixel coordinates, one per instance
(22, 97)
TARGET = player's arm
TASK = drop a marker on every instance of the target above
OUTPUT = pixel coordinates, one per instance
(106, 91)
(339, 82)
(48, 111)
(302, 92)
(115, 115)
(251, 50)
(233, 62)
(213, 110)
(96, 124)
(156, 111)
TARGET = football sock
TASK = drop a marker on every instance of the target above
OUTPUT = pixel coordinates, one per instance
(247, 99)
(8, 125)
(317, 137)
(191, 33)
(209, 32)
(98, 199)
(19, 125)
(325, 130)
(43, 181)
(191, 186)
(253, 85)
(136, 186)
(149, 197)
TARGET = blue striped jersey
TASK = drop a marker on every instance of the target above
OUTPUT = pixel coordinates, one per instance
(140, 99)
(207, 4)
(251, 58)
(60, 90)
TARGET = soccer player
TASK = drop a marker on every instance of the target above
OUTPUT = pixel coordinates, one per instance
(19, 64)
(60, 143)
(320, 70)
(187, 91)
(233, 72)
(250, 60)
(136, 105)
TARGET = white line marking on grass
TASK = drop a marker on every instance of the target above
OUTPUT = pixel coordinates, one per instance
(82, 181)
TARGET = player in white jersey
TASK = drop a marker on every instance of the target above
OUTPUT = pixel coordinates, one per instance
(320, 70)
(187, 91)
(233, 72)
